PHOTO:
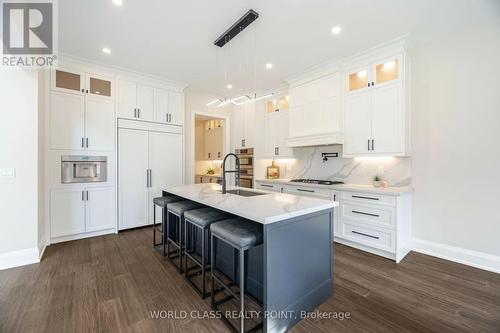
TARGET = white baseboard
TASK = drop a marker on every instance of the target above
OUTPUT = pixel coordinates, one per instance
(460, 255)
(19, 258)
(42, 245)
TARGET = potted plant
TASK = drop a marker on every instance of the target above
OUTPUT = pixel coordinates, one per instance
(210, 171)
(377, 181)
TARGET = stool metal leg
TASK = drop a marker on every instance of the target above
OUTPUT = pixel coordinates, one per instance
(242, 290)
(185, 248)
(203, 288)
(212, 272)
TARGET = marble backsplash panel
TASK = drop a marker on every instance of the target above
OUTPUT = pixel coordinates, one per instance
(308, 163)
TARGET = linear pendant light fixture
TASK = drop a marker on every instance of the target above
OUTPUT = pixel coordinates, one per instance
(232, 100)
(237, 27)
(255, 99)
(214, 101)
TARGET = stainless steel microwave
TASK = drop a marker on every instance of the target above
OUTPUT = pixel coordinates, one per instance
(83, 169)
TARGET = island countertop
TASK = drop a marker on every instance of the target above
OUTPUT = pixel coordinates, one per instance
(265, 209)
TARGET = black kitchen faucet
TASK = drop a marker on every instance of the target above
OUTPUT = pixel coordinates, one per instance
(224, 171)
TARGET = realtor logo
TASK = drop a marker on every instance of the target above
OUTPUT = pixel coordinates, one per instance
(29, 36)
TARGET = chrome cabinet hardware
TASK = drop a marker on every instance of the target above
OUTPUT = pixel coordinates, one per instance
(373, 144)
(303, 190)
(265, 185)
(363, 234)
(363, 213)
(362, 197)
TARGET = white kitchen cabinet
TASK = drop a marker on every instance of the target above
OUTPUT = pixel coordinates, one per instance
(375, 114)
(100, 124)
(145, 102)
(68, 81)
(176, 108)
(99, 86)
(127, 99)
(213, 137)
(149, 161)
(276, 135)
(67, 120)
(133, 163)
(244, 126)
(315, 112)
(67, 212)
(80, 210)
(100, 209)
(161, 113)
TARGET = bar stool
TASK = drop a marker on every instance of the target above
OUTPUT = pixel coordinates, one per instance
(199, 219)
(177, 209)
(161, 202)
(242, 235)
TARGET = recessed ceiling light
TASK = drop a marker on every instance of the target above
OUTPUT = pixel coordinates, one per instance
(269, 65)
(336, 29)
(118, 2)
(105, 50)
(229, 86)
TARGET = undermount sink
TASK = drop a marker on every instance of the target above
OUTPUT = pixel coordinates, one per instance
(244, 193)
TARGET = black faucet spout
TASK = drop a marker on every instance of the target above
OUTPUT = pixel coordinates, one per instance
(224, 171)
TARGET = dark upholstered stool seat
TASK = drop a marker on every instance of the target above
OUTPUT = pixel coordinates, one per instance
(204, 216)
(163, 201)
(179, 207)
(238, 232)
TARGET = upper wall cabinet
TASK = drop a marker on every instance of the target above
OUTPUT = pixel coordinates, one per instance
(315, 111)
(243, 126)
(141, 102)
(81, 112)
(81, 83)
(375, 112)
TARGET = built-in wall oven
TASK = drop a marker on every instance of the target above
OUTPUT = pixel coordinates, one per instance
(83, 169)
(246, 166)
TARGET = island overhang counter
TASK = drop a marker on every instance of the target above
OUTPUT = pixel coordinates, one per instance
(292, 271)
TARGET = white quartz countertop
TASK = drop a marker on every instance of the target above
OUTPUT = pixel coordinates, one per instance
(265, 209)
(344, 187)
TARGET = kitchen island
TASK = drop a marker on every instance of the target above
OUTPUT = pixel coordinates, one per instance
(291, 272)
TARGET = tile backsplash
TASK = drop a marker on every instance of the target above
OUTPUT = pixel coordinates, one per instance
(308, 163)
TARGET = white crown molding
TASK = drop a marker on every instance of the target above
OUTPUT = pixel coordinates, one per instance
(460, 255)
(65, 59)
(317, 71)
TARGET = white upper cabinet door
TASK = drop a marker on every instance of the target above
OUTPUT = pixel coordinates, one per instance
(282, 134)
(387, 122)
(100, 209)
(133, 164)
(66, 118)
(387, 71)
(249, 125)
(72, 82)
(357, 123)
(237, 127)
(67, 212)
(127, 99)
(161, 106)
(145, 102)
(165, 160)
(176, 108)
(99, 86)
(100, 123)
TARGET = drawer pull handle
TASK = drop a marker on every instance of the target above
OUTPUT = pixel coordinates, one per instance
(302, 190)
(363, 213)
(264, 185)
(361, 197)
(362, 234)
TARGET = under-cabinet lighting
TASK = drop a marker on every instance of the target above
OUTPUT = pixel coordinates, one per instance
(285, 160)
(255, 99)
(389, 65)
(375, 158)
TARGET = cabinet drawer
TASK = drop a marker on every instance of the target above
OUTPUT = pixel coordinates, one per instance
(381, 216)
(268, 187)
(371, 198)
(309, 191)
(379, 238)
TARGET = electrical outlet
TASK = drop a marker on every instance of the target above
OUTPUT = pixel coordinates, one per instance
(7, 173)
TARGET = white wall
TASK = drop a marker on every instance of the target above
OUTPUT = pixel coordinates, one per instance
(18, 149)
(456, 130)
(196, 102)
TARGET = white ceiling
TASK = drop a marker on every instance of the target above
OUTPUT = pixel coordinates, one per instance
(174, 39)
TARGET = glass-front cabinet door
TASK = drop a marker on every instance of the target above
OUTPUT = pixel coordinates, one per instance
(358, 79)
(387, 71)
(67, 81)
(98, 85)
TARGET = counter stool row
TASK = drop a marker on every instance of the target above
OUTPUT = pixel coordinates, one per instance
(181, 221)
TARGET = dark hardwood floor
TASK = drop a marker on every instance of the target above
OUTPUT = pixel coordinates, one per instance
(111, 283)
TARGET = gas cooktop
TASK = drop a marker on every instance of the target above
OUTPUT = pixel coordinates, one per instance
(316, 181)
